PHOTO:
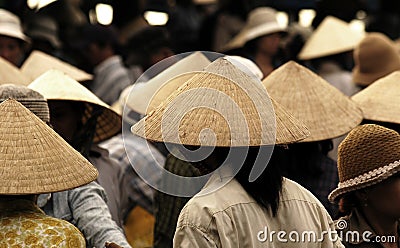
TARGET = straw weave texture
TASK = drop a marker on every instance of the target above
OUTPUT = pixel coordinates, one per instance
(326, 112)
(332, 36)
(10, 74)
(141, 94)
(250, 121)
(34, 159)
(39, 62)
(56, 85)
(381, 100)
(367, 156)
(31, 99)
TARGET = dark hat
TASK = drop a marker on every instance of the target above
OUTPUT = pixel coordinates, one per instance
(99, 34)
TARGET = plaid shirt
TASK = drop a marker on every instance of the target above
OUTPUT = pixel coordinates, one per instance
(142, 155)
(168, 207)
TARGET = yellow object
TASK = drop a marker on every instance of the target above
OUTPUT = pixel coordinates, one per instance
(139, 228)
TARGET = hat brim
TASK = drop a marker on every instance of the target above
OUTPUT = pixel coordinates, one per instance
(54, 41)
(365, 79)
(14, 34)
(368, 181)
(250, 34)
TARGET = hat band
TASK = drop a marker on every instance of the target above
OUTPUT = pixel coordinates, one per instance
(368, 175)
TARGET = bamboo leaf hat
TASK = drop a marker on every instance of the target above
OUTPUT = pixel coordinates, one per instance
(34, 159)
(225, 100)
(326, 111)
(39, 62)
(381, 100)
(56, 85)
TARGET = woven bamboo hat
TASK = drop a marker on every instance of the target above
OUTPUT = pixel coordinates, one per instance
(10, 74)
(376, 56)
(261, 21)
(367, 156)
(326, 111)
(39, 62)
(140, 96)
(31, 99)
(191, 110)
(332, 36)
(10, 25)
(56, 85)
(381, 100)
(34, 158)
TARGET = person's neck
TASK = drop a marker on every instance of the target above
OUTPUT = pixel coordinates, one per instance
(382, 225)
(264, 62)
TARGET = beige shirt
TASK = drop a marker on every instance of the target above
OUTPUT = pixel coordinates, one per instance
(229, 217)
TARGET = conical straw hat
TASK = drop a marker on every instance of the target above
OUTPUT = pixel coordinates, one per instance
(326, 112)
(332, 36)
(34, 158)
(38, 63)
(239, 112)
(381, 100)
(56, 85)
(10, 74)
(139, 98)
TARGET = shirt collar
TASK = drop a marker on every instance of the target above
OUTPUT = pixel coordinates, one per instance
(109, 61)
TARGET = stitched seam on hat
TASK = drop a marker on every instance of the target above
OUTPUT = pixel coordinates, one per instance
(368, 175)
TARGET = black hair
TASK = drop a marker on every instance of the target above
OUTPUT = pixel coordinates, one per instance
(267, 187)
(299, 162)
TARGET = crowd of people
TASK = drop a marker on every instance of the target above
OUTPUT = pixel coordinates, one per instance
(274, 137)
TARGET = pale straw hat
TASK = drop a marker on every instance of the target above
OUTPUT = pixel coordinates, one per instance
(56, 85)
(39, 62)
(376, 56)
(246, 65)
(31, 99)
(367, 156)
(34, 158)
(140, 96)
(10, 25)
(261, 21)
(191, 110)
(10, 74)
(326, 111)
(381, 100)
(332, 36)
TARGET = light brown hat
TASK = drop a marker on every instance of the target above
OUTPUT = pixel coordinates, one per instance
(10, 74)
(381, 100)
(34, 158)
(332, 36)
(39, 62)
(376, 56)
(239, 113)
(10, 25)
(31, 99)
(261, 21)
(140, 96)
(367, 156)
(56, 85)
(326, 111)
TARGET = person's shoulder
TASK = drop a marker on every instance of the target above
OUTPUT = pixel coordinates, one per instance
(292, 191)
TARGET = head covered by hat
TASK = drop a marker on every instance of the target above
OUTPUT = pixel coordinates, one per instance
(375, 56)
(367, 156)
(332, 36)
(261, 21)
(225, 100)
(39, 62)
(381, 100)
(42, 27)
(139, 96)
(56, 85)
(326, 111)
(10, 26)
(31, 99)
(34, 158)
